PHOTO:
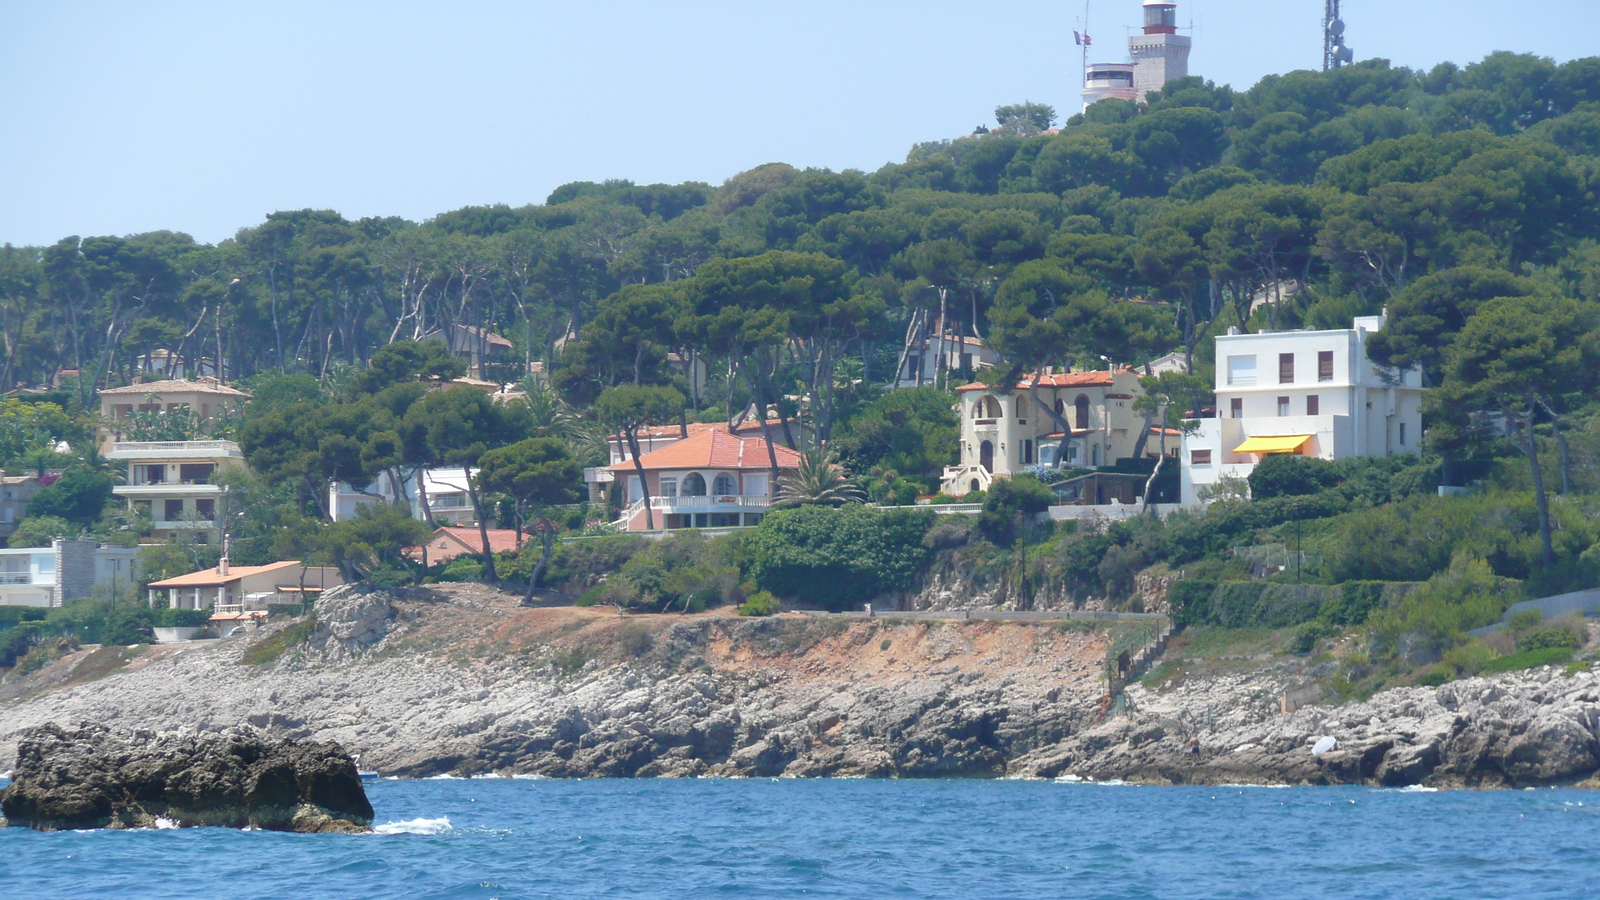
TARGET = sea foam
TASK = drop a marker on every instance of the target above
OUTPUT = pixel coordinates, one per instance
(415, 826)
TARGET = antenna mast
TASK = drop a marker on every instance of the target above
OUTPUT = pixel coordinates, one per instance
(1334, 52)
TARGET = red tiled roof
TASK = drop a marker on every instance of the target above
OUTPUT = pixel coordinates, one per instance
(1067, 379)
(672, 431)
(501, 540)
(714, 449)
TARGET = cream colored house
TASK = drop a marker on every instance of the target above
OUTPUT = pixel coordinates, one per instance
(239, 591)
(171, 481)
(1005, 432)
(712, 480)
(206, 397)
(15, 492)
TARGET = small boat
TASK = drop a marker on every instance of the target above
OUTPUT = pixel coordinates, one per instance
(367, 776)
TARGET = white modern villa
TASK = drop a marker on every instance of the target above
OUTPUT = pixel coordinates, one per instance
(65, 570)
(171, 480)
(1310, 393)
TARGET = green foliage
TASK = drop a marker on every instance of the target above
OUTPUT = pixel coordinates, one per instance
(80, 495)
(761, 603)
(1527, 659)
(837, 558)
(915, 432)
(42, 530)
(1288, 475)
(1436, 616)
(580, 561)
(404, 361)
(1568, 636)
(272, 648)
(1524, 620)
(377, 537)
(1010, 506)
(462, 568)
(1306, 637)
(687, 572)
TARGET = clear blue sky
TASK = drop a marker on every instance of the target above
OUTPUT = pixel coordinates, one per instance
(204, 116)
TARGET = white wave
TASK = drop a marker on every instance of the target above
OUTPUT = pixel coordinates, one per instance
(416, 826)
(445, 777)
(529, 776)
(1262, 786)
(163, 823)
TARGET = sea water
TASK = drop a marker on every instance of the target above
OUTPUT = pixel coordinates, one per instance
(855, 839)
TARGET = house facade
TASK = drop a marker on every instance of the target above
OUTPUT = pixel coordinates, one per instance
(658, 437)
(713, 479)
(1310, 393)
(1003, 433)
(171, 481)
(446, 488)
(475, 345)
(15, 492)
(205, 397)
(947, 353)
(239, 591)
(66, 570)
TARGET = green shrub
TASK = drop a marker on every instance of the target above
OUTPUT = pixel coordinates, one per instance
(838, 558)
(1527, 659)
(1306, 637)
(686, 571)
(1566, 636)
(1286, 475)
(1436, 676)
(1010, 506)
(761, 603)
(1524, 620)
(462, 568)
(179, 618)
(1469, 658)
(635, 639)
(588, 557)
(274, 646)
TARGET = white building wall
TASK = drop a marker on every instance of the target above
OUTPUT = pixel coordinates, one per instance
(1358, 412)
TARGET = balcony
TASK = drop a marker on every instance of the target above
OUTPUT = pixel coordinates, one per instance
(166, 490)
(126, 450)
(17, 578)
(725, 503)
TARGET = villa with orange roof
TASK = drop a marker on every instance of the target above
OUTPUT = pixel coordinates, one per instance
(1006, 432)
(712, 479)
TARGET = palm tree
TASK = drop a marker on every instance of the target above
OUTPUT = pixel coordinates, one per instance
(819, 480)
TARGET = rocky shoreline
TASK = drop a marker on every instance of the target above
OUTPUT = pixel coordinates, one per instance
(432, 683)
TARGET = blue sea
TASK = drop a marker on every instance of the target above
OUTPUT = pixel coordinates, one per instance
(855, 839)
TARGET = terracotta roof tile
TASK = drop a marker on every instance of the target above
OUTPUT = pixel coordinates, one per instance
(1068, 379)
(714, 449)
(210, 578)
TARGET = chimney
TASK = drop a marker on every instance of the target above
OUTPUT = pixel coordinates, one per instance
(222, 564)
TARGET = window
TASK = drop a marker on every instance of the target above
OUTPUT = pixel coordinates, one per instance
(1324, 365)
(195, 473)
(913, 365)
(1199, 457)
(1242, 369)
(172, 510)
(1081, 411)
(669, 487)
(724, 485)
(1286, 368)
(447, 501)
(1402, 434)
(1236, 407)
(1027, 452)
(205, 508)
(1283, 406)
(1313, 405)
(150, 474)
(694, 485)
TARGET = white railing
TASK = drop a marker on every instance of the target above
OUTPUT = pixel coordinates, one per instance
(145, 446)
(15, 578)
(672, 504)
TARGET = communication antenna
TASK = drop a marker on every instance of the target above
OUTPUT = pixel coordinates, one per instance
(1334, 52)
(1083, 40)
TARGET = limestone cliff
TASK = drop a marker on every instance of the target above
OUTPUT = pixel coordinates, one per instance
(463, 682)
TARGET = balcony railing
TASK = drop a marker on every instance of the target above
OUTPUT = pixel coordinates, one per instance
(16, 578)
(676, 504)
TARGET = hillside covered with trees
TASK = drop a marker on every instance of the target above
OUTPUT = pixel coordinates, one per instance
(1460, 200)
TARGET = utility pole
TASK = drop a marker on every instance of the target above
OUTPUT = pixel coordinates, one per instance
(1334, 52)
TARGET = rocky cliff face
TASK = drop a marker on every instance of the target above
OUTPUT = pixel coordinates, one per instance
(470, 684)
(98, 778)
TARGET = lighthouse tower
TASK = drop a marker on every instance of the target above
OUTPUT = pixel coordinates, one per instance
(1160, 54)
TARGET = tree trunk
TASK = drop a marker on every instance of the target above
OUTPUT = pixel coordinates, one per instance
(1530, 448)
(631, 433)
(1160, 461)
(422, 499)
(547, 538)
(483, 528)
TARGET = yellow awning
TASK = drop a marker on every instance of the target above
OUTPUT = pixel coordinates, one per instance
(1287, 443)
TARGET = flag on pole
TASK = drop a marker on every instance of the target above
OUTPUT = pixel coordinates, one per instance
(1077, 38)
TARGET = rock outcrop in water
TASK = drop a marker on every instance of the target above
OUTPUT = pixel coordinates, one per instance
(98, 778)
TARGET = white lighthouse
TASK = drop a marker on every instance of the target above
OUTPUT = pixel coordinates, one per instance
(1160, 54)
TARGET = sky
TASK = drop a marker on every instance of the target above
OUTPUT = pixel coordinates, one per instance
(202, 117)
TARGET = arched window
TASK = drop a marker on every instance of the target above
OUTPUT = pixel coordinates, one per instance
(1082, 409)
(975, 486)
(724, 486)
(987, 408)
(986, 455)
(694, 485)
